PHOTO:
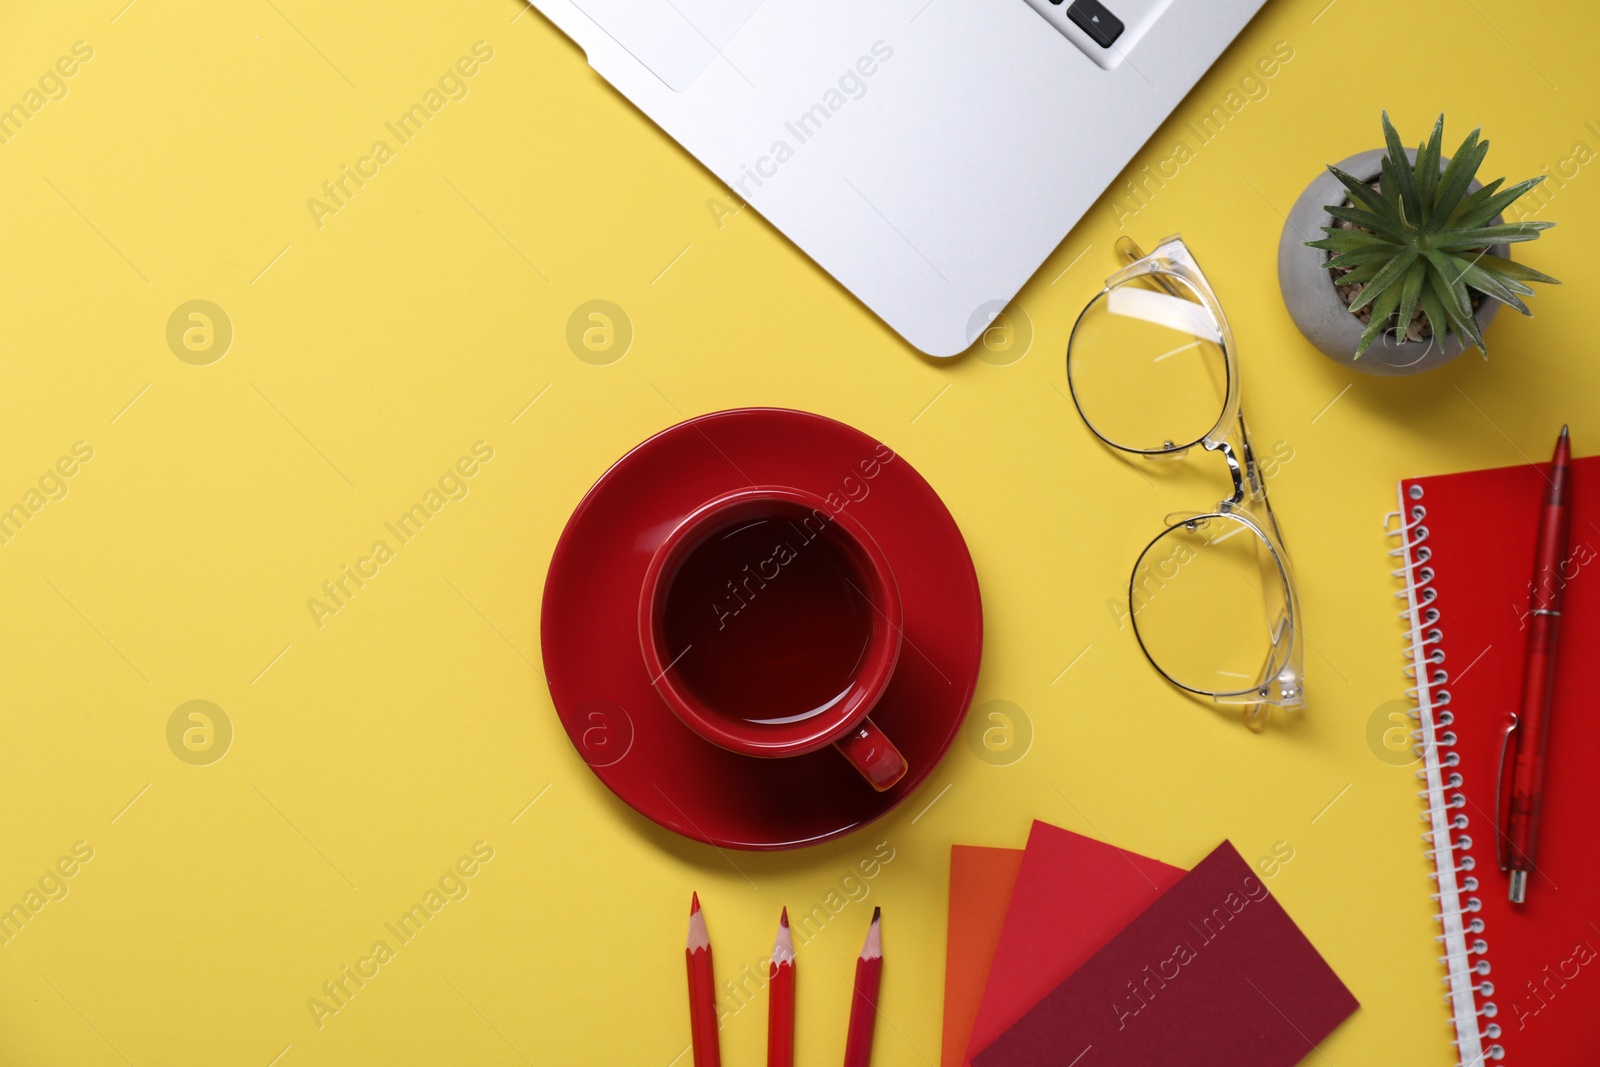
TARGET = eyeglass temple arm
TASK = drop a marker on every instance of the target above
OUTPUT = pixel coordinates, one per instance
(1255, 715)
(1130, 250)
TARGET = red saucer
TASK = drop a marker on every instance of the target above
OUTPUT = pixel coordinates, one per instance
(596, 672)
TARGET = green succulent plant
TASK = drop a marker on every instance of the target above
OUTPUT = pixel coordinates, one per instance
(1421, 241)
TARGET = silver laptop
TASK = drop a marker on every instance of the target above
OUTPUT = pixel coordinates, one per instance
(929, 154)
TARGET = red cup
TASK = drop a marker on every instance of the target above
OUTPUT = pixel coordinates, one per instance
(771, 626)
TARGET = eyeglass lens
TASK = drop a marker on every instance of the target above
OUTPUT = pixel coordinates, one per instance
(1197, 597)
(1147, 367)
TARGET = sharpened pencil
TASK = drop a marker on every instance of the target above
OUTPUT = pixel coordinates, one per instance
(780, 998)
(864, 997)
(702, 991)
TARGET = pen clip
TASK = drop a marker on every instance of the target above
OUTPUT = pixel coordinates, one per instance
(1500, 804)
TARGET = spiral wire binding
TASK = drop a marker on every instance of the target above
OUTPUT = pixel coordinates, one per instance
(1448, 846)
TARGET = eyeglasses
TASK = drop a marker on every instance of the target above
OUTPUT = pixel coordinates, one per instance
(1153, 373)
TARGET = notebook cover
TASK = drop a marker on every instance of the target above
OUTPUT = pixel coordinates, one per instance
(1472, 546)
(981, 880)
(1073, 894)
(1213, 974)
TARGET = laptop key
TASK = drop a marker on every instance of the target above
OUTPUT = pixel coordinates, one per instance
(1092, 18)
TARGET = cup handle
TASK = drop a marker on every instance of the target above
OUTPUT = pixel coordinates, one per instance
(871, 752)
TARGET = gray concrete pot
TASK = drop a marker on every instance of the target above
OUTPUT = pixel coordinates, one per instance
(1314, 303)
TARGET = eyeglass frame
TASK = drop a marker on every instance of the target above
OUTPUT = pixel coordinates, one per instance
(1285, 687)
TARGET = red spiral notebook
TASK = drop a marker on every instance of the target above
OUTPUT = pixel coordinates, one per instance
(1522, 981)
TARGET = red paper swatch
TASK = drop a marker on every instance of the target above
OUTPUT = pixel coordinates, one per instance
(1213, 974)
(1073, 894)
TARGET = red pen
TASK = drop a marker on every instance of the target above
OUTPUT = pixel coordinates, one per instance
(1531, 726)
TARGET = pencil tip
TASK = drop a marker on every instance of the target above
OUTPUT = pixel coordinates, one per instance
(872, 949)
(783, 943)
(698, 937)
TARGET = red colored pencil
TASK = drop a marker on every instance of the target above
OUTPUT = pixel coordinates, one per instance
(864, 999)
(702, 991)
(780, 998)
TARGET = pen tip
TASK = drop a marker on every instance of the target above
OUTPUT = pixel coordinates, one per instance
(694, 904)
(1519, 887)
(1564, 431)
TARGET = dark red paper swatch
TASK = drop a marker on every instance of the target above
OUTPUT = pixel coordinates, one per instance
(1213, 974)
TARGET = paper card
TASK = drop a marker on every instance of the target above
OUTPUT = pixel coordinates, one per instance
(1213, 974)
(981, 880)
(1073, 894)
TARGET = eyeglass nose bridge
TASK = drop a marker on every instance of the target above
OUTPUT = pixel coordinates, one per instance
(1235, 469)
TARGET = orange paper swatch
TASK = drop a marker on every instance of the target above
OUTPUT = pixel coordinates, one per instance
(980, 891)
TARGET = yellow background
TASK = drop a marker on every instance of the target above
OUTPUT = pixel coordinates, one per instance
(370, 353)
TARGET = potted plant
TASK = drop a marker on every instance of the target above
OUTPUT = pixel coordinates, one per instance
(1415, 260)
